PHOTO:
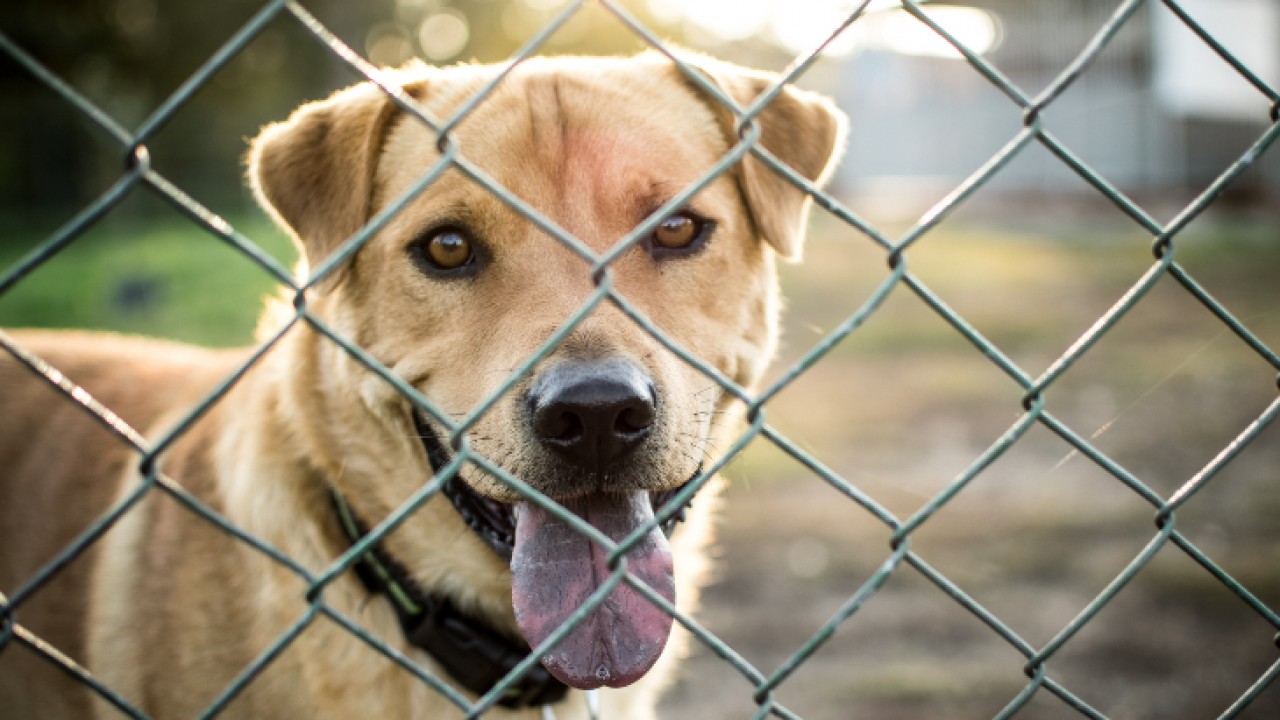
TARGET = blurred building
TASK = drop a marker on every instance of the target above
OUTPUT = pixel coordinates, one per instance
(1157, 111)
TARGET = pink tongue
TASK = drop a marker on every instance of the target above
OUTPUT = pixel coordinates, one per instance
(554, 569)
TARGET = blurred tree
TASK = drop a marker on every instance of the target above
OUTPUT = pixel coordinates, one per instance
(128, 56)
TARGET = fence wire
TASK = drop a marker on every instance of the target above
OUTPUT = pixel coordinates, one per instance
(138, 173)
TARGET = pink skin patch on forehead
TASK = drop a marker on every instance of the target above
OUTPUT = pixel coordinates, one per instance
(617, 176)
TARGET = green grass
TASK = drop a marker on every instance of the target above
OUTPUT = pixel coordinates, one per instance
(167, 278)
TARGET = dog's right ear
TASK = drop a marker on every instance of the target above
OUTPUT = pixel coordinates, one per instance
(314, 173)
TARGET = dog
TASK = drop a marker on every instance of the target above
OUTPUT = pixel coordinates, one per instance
(309, 450)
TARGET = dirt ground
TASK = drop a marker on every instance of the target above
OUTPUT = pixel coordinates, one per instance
(905, 405)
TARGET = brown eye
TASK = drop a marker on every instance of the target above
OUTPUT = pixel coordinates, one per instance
(677, 232)
(449, 250)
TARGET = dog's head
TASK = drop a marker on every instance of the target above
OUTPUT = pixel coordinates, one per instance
(460, 291)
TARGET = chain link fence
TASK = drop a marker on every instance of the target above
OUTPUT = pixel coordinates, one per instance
(899, 556)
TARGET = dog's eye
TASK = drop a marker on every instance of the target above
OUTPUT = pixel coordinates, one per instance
(676, 231)
(448, 250)
(681, 233)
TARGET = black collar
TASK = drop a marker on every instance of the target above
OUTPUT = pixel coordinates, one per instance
(471, 651)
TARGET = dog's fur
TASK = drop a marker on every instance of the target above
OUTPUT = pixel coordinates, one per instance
(167, 609)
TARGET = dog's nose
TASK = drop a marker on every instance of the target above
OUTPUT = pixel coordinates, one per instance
(592, 413)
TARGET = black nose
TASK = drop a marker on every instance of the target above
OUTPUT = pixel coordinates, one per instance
(592, 413)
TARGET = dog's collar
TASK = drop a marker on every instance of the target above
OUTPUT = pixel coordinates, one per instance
(471, 651)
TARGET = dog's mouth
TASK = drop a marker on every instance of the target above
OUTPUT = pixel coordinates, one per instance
(555, 570)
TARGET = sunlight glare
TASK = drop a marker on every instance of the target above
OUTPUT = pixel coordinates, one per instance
(898, 31)
(803, 30)
(800, 26)
(728, 20)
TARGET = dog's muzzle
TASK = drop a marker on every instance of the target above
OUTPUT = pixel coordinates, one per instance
(592, 417)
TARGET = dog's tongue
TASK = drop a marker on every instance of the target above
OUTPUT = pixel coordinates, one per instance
(555, 569)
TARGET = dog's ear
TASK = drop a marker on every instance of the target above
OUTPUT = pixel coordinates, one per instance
(801, 128)
(315, 171)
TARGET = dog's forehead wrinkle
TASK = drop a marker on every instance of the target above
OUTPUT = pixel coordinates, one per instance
(548, 122)
(590, 163)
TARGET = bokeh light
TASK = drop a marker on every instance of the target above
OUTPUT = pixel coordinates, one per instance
(443, 35)
(388, 46)
(546, 5)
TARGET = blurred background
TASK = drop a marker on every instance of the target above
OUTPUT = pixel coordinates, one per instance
(901, 407)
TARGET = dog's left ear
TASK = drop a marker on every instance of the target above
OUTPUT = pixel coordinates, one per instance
(315, 171)
(802, 129)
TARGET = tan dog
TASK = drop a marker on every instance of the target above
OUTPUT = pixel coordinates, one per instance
(455, 293)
